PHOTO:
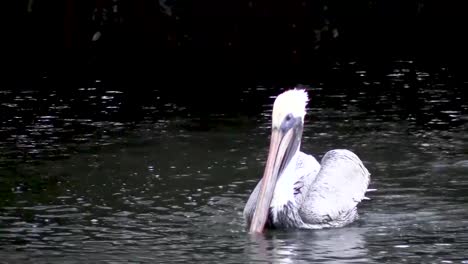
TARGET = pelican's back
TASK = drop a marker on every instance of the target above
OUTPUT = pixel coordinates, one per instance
(338, 188)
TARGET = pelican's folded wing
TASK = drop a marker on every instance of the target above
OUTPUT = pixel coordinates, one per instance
(338, 188)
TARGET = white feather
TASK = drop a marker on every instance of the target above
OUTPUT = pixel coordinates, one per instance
(289, 102)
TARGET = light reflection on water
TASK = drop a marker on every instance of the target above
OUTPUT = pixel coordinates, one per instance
(84, 182)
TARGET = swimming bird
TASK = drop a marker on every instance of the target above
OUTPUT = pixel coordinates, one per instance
(296, 191)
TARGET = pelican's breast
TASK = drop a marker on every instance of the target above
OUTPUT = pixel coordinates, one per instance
(290, 189)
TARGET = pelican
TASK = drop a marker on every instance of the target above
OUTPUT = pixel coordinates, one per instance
(295, 190)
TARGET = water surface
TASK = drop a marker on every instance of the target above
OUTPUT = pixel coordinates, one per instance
(98, 174)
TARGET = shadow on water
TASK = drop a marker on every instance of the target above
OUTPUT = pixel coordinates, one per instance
(98, 173)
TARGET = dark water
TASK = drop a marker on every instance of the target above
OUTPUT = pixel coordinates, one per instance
(100, 174)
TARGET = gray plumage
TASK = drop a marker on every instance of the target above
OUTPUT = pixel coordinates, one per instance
(310, 195)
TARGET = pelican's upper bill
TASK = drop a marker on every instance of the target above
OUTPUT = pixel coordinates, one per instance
(289, 102)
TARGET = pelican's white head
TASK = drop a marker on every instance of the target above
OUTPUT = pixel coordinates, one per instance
(291, 102)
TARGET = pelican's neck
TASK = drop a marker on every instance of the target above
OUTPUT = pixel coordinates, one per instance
(284, 189)
(290, 168)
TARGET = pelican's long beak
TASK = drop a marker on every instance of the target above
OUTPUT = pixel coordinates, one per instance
(284, 143)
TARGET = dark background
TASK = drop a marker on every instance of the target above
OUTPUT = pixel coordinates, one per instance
(195, 43)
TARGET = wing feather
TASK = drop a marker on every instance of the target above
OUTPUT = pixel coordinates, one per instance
(339, 187)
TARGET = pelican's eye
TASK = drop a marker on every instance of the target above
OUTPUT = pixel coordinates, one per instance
(288, 122)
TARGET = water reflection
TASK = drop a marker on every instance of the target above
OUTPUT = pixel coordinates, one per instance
(341, 245)
(99, 174)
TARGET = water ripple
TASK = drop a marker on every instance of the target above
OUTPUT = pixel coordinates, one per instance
(93, 176)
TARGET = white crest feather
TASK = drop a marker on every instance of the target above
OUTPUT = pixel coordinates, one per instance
(289, 102)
